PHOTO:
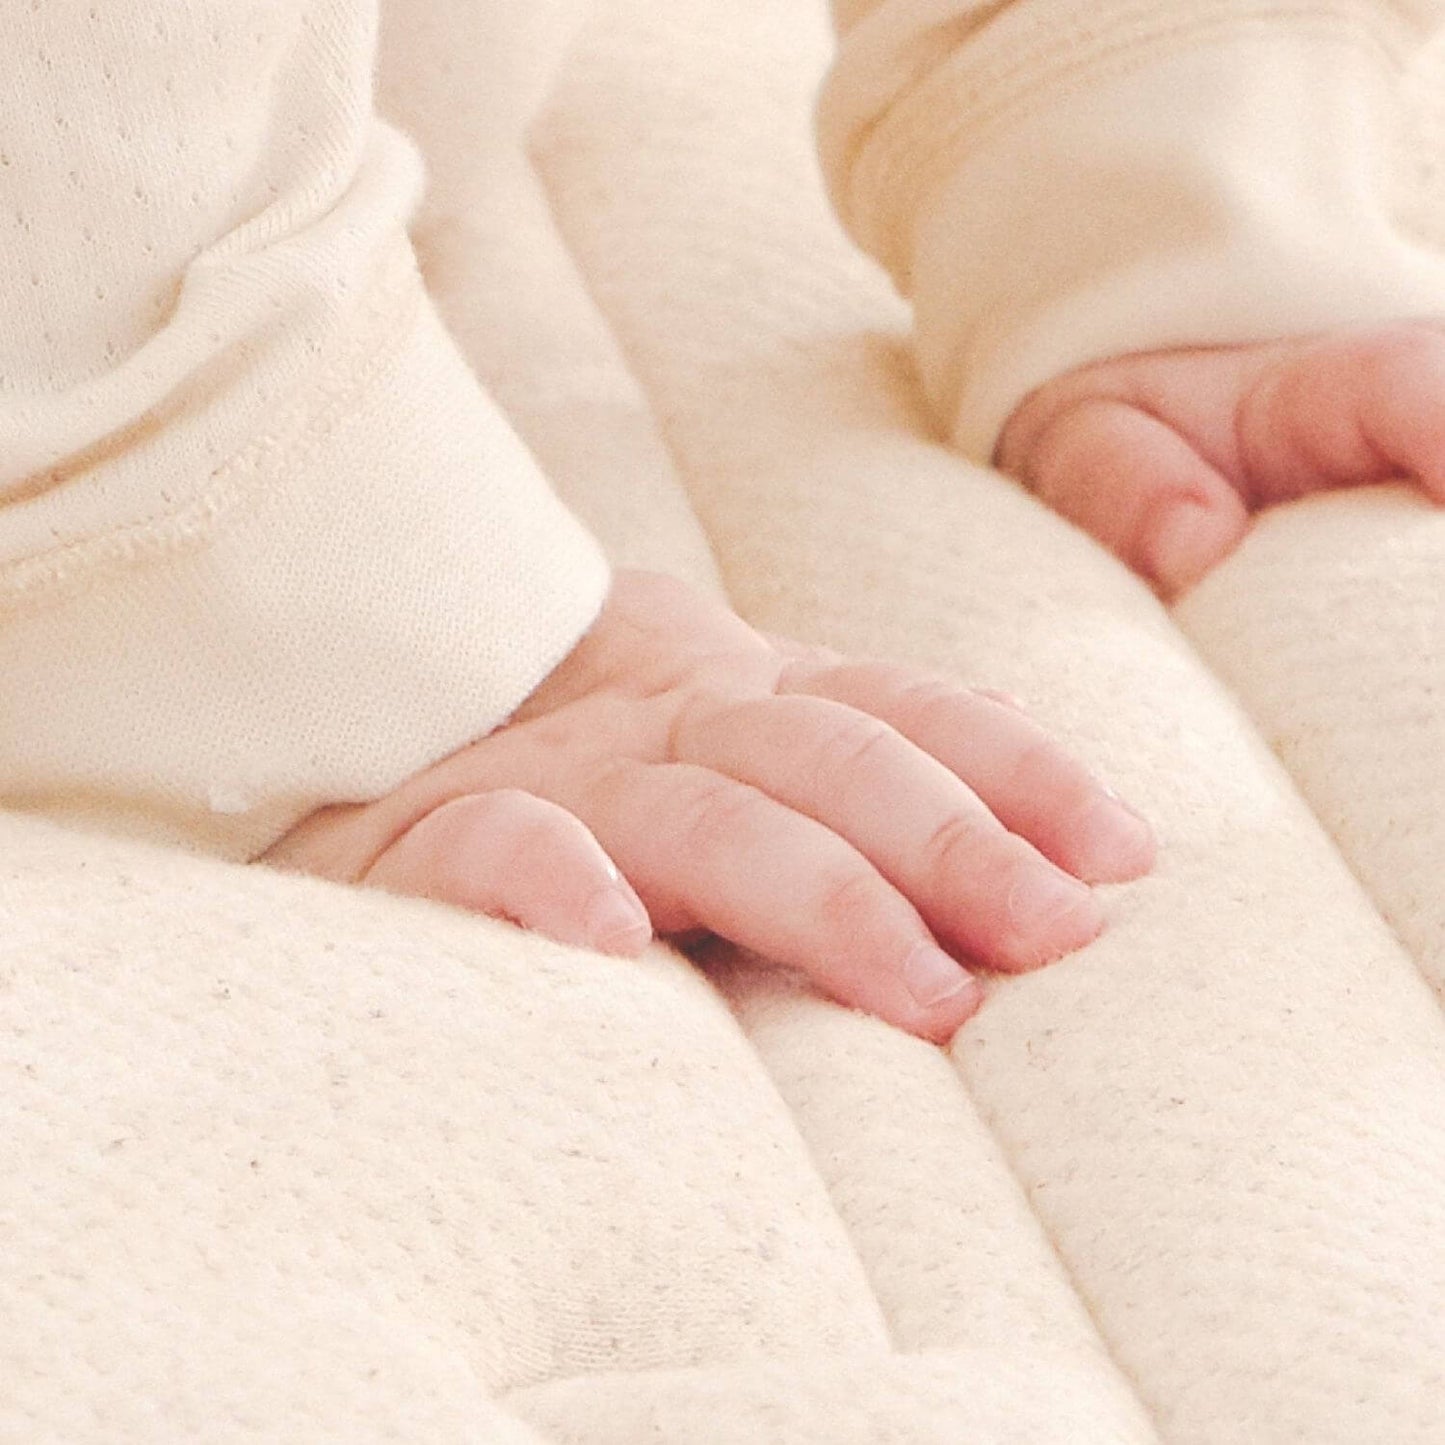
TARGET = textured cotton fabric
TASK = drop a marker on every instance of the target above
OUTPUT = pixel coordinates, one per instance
(265, 543)
(1059, 181)
(282, 1161)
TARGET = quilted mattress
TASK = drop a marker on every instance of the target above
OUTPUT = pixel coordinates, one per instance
(282, 1161)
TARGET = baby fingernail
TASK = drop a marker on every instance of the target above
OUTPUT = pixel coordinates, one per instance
(932, 976)
(616, 922)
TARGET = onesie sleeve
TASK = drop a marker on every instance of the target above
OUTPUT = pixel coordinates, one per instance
(265, 543)
(1053, 182)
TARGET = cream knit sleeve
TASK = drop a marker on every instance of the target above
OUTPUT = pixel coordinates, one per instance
(264, 541)
(1057, 181)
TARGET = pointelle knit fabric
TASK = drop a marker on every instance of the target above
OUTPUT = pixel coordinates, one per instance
(1059, 181)
(284, 1161)
(265, 543)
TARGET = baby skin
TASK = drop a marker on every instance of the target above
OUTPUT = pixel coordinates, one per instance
(1163, 456)
(682, 772)
(880, 830)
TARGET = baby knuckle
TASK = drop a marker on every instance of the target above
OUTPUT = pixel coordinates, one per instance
(852, 745)
(922, 699)
(1087, 427)
(960, 841)
(847, 897)
(525, 830)
(507, 811)
(700, 708)
(501, 807)
(1042, 768)
(544, 837)
(450, 822)
(718, 810)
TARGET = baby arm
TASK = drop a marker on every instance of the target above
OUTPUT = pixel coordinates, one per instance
(1152, 247)
(267, 553)
(264, 542)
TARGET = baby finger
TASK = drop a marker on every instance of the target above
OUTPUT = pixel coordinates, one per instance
(706, 851)
(1029, 782)
(511, 855)
(978, 886)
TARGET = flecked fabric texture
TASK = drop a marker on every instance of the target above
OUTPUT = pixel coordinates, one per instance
(1191, 1105)
(1055, 182)
(265, 543)
(281, 1161)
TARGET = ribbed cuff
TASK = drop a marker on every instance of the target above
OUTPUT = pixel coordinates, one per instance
(1133, 177)
(904, 107)
(379, 578)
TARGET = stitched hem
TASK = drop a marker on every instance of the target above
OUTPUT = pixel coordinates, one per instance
(1019, 65)
(380, 331)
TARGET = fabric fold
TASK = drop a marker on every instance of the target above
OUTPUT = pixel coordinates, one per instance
(266, 544)
(1057, 184)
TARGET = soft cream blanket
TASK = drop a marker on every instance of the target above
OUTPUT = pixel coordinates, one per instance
(281, 1161)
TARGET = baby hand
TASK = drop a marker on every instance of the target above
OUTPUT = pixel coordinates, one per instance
(837, 816)
(1163, 455)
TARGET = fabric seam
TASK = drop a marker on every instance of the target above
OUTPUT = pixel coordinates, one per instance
(59, 573)
(904, 172)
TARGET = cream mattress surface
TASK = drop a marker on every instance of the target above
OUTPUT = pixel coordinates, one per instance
(282, 1161)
